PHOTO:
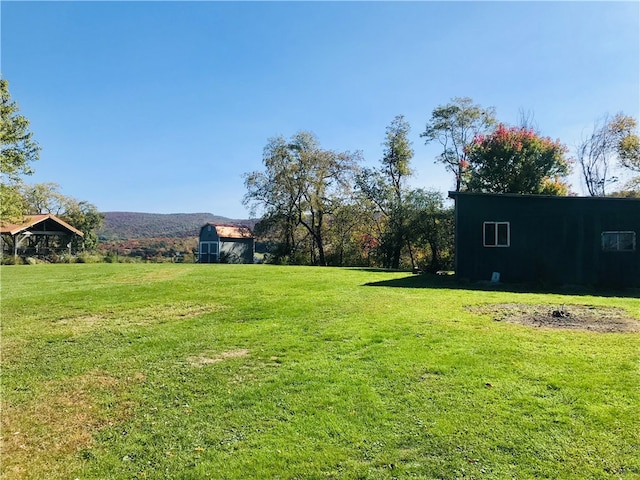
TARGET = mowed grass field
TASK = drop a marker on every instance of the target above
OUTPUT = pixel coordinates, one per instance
(115, 371)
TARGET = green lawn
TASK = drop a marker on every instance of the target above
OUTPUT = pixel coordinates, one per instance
(116, 371)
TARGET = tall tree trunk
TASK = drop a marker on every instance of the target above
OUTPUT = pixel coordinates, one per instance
(396, 252)
(321, 257)
(436, 262)
(413, 262)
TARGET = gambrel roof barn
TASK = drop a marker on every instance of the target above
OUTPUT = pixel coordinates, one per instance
(225, 244)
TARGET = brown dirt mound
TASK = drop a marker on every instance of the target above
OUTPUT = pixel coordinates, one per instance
(577, 317)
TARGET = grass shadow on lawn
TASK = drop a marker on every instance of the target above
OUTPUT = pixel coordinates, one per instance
(451, 283)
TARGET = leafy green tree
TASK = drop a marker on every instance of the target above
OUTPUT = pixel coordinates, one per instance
(627, 144)
(517, 160)
(613, 141)
(454, 126)
(385, 187)
(43, 198)
(46, 198)
(11, 203)
(345, 226)
(301, 186)
(85, 217)
(431, 226)
(329, 184)
(275, 192)
(18, 150)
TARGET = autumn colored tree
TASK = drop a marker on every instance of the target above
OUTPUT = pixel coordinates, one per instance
(517, 160)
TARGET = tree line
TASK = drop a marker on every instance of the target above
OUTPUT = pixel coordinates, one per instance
(323, 207)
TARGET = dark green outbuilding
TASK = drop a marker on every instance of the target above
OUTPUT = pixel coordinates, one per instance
(547, 239)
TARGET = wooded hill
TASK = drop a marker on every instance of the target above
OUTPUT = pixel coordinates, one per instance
(133, 225)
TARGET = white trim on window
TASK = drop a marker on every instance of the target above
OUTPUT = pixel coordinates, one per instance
(496, 234)
(212, 247)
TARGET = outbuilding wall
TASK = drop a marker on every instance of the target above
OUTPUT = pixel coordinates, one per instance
(236, 250)
(556, 240)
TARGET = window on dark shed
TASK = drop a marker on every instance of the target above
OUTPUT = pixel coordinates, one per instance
(496, 234)
(502, 235)
(619, 241)
(489, 234)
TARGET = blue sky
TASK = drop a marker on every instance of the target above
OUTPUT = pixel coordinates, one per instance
(163, 106)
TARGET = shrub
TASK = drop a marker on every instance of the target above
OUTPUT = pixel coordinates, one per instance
(11, 260)
(86, 257)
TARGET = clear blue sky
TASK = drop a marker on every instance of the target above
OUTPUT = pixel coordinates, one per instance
(162, 106)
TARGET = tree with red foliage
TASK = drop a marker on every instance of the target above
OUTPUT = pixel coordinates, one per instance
(517, 160)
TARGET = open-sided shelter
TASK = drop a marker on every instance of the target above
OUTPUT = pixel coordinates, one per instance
(547, 239)
(38, 236)
(225, 244)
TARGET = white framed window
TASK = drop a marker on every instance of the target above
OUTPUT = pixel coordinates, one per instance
(618, 241)
(496, 234)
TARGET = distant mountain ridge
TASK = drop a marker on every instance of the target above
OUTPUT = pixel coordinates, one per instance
(132, 225)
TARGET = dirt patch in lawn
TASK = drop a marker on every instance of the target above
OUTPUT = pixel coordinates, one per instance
(576, 317)
(138, 316)
(47, 432)
(159, 275)
(202, 360)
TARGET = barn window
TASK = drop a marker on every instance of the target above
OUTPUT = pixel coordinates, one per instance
(619, 241)
(496, 234)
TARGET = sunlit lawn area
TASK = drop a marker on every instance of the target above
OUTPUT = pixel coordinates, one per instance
(116, 371)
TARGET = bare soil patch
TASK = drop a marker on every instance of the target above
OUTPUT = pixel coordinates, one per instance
(140, 316)
(160, 275)
(39, 434)
(575, 317)
(202, 360)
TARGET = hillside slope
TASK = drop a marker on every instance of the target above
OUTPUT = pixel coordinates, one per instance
(132, 225)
